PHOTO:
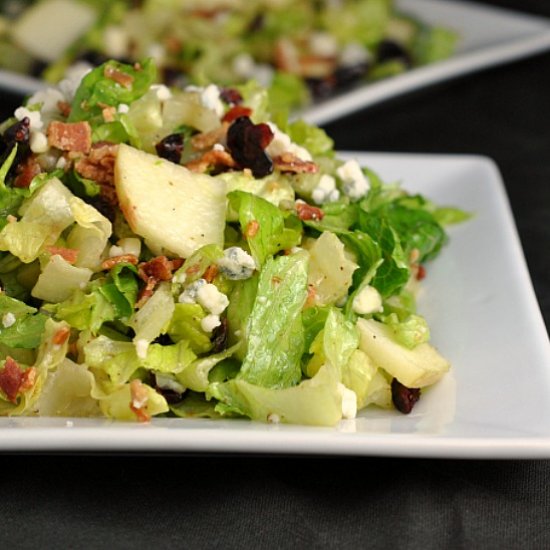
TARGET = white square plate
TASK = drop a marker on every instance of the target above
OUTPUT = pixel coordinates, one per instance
(488, 36)
(480, 304)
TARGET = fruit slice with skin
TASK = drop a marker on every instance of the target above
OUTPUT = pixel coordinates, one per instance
(175, 210)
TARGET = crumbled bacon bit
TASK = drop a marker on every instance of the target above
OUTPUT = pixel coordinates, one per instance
(307, 212)
(119, 77)
(61, 336)
(122, 259)
(210, 274)
(70, 136)
(26, 171)
(139, 398)
(235, 112)
(404, 398)
(99, 165)
(211, 159)
(288, 162)
(159, 268)
(11, 379)
(68, 254)
(207, 140)
(64, 108)
(251, 229)
(420, 273)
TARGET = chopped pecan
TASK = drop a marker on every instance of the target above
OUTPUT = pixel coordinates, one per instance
(122, 259)
(159, 268)
(207, 140)
(26, 172)
(289, 162)
(211, 159)
(68, 254)
(307, 212)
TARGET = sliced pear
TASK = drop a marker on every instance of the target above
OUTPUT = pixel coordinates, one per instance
(415, 368)
(175, 210)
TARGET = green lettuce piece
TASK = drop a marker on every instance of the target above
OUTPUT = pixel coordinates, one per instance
(97, 90)
(121, 289)
(287, 91)
(312, 138)
(316, 402)
(340, 340)
(27, 325)
(68, 392)
(270, 235)
(433, 44)
(120, 361)
(185, 324)
(446, 215)
(116, 405)
(275, 333)
(410, 331)
(256, 97)
(196, 375)
(313, 320)
(194, 267)
(359, 375)
(195, 405)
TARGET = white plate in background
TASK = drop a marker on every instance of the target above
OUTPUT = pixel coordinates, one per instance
(480, 305)
(488, 36)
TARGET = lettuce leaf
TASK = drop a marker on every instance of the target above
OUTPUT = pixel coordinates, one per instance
(28, 325)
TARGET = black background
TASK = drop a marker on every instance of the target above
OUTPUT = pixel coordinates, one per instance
(96, 501)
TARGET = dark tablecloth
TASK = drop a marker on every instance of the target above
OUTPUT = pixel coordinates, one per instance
(98, 501)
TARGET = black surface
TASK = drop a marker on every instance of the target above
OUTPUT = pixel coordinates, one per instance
(247, 502)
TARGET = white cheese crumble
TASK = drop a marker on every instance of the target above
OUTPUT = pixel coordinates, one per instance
(115, 41)
(325, 191)
(8, 319)
(273, 418)
(211, 299)
(209, 97)
(282, 143)
(115, 251)
(35, 118)
(210, 322)
(244, 66)
(156, 51)
(48, 100)
(354, 54)
(123, 108)
(38, 142)
(73, 76)
(189, 295)
(162, 91)
(349, 401)
(61, 163)
(367, 300)
(323, 44)
(166, 382)
(130, 245)
(356, 185)
(218, 147)
(141, 346)
(236, 263)
(179, 277)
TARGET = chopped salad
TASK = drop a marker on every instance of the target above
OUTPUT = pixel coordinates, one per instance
(300, 49)
(184, 253)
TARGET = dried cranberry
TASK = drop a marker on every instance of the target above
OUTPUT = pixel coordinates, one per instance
(321, 88)
(246, 142)
(231, 96)
(170, 148)
(389, 50)
(174, 77)
(404, 398)
(103, 206)
(219, 336)
(350, 74)
(16, 134)
(257, 23)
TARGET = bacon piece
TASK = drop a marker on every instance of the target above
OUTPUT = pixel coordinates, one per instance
(109, 263)
(14, 380)
(420, 273)
(61, 336)
(70, 136)
(68, 254)
(26, 172)
(64, 108)
(119, 77)
(99, 165)
(211, 159)
(307, 212)
(235, 112)
(210, 274)
(207, 140)
(146, 292)
(139, 399)
(251, 229)
(288, 162)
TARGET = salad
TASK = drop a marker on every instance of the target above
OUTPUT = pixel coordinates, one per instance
(183, 253)
(300, 49)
